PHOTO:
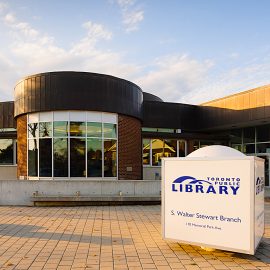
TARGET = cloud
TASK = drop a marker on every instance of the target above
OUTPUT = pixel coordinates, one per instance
(132, 15)
(95, 33)
(249, 75)
(3, 6)
(22, 27)
(32, 51)
(8, 78)
(175, 76)
(181, 78)
(234, 55)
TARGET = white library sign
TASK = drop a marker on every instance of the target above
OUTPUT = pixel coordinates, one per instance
(214, 198)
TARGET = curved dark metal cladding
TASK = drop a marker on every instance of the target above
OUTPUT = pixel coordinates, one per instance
(7, 115)
(69, 90)
(170, 115)
(151, 97)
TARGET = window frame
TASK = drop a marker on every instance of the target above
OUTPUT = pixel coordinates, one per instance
(74, 116)
(151, 158)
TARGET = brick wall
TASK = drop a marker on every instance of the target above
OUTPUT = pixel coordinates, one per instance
(129, 148)
(22, 146)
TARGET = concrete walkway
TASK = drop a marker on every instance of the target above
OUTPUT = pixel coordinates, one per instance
(109, 237)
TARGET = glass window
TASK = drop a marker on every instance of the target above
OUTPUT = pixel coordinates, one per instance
(182, 148)
(60, 155)
(110, 150)
(237, 147)
(263, 133)
(45, 157)
(159, 148)
(77, 129)
(77, 158)
(166, 130)
(149, 129)
(163, 148)
(236, 136)
(109, 130)
(263, 148)
(196, 145)
(249, 148)
(170, 148)
(249, 135)
(70, 148)
(32, 130)
(60, 128)
(6, 151)
(94, 157)
(157, 151)
(94, 129)
(45, 129)
(146, 151)
(33, 157)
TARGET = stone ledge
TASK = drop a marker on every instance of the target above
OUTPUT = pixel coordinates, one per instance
(98, 198)
(94, 200)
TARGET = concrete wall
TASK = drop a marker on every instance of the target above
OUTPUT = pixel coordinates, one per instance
(18, 192)
(8, 172)
(152, 173)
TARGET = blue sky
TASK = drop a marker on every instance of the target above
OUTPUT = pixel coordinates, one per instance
(188, 51)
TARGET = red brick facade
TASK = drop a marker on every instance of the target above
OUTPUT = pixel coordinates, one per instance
(22, 146)
(129, 148)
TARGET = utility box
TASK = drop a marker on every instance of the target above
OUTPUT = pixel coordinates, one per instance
(214, 198)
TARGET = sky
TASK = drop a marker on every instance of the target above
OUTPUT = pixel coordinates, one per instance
(188, 51)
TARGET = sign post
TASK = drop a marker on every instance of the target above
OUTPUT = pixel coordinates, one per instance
(215, 201)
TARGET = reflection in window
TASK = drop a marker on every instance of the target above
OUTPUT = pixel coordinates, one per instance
(146, 151)
(263, 148)
(155, 149)
(60, 155)
(6, 151)
(32, 157)
(249, 148)
(249, 135)
(109, 130)
(32, 130)
(60, 128)
(77, 158)
(110, 167)
(196, 145)
(236, 136)
(94, 129)
(182, 148)
(263, 133)
(45, 157)
(162, 148)
(94, 157)
(45, 129)
(170, 149)
(237, 147)
(77, 129)
(72, 149)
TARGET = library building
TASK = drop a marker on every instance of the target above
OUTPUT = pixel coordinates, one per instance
(88, 126)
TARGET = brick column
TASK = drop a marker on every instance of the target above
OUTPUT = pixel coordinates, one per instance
(22, 146)
(129, 148)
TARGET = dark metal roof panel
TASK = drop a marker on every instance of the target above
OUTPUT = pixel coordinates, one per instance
(169, 115)
(7, 115)
(69, 90)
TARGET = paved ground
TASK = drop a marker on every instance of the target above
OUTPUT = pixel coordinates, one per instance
(120, 237)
